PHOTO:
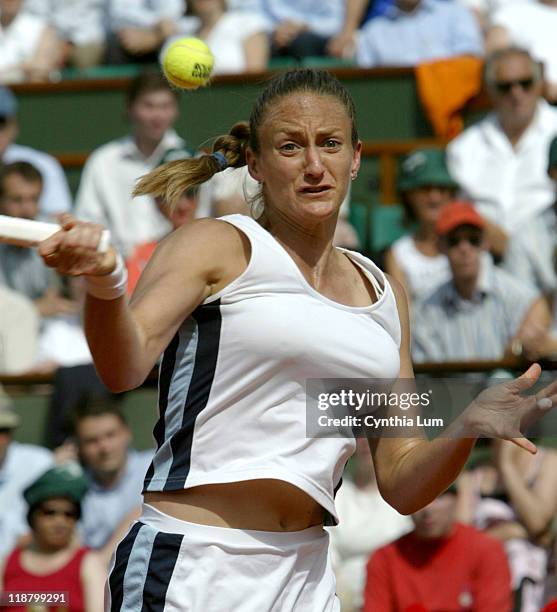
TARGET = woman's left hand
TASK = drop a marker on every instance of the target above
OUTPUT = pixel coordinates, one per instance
(503, 412)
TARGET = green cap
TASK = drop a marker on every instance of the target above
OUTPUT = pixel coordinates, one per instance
(552, 158)
(65, 480)
(424, 168)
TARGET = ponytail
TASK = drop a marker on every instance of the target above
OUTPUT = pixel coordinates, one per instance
(172, 179)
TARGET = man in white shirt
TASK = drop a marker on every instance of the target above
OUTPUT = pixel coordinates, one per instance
(55, 196)
(108, 178)
(500, 162)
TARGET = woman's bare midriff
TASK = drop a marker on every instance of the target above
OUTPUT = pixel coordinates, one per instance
(262, 505)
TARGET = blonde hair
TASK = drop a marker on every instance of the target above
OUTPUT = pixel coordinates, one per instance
(172, 179)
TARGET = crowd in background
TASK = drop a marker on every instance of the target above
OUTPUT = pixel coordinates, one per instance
(478, 263)
(38, 38)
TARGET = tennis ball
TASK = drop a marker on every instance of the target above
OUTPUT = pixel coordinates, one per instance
(187, 63)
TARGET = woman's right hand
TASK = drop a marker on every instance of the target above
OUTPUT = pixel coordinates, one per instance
(73, 249)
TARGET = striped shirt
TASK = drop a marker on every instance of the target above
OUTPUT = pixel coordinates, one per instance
(450, 328)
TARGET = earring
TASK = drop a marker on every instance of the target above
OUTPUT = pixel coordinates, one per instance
(354, 176)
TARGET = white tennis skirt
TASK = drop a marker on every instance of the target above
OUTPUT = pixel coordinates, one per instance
(168, 565)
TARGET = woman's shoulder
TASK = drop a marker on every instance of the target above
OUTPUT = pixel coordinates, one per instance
(209, 233)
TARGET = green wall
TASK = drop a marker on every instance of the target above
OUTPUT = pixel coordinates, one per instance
(61, 119)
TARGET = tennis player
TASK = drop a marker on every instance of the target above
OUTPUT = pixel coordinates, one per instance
(244, 311)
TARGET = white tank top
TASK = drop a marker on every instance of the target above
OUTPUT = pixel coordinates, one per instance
(423, 274)
(232, 381)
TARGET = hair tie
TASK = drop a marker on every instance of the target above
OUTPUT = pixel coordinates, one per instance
(221, 160)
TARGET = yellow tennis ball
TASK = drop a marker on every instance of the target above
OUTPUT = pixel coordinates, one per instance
(187, 63)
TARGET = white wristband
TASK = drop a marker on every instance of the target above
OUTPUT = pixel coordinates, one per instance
(110, 286)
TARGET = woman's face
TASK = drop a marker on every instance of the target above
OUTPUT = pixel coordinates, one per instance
(54, 522)
(306, 158)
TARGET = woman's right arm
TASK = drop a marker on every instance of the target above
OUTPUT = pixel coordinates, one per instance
(188, 266)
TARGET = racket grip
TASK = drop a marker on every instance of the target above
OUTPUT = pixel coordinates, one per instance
(28, 233)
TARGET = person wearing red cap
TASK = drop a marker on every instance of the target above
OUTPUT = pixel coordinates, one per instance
(440, 565)
(482, 311)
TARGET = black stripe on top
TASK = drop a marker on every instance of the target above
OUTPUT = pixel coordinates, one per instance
(161, 566)
(116, 578)
(168, 364)
(209, 320)
(165, 378)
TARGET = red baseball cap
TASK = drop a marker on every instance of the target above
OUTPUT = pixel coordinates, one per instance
(455, 214)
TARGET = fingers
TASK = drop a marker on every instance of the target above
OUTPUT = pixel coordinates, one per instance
(73, 250)
(545, 403)
(548, 391)
(528, 379)
(525, 444)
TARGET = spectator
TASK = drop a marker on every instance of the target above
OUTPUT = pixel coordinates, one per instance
(440, 565)
(425, 186)
(115, 471)
(80, 24)
(29, 48)
(21, 268)
(140, 27)
(366, 522)
(53, 561)
(430, 29)
(530, 256)
(20, 465)
(104, 194)
(55, 196)
(501, 162)
(530, 25)
(482, 311)
(237, 39)
(301, 28)
(513, 498)
(19, 328)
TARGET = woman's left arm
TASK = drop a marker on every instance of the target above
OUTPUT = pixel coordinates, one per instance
(412, 472)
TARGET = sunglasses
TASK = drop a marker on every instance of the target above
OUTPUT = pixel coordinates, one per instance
(69, 514)
(504, 87)
(474, 240)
